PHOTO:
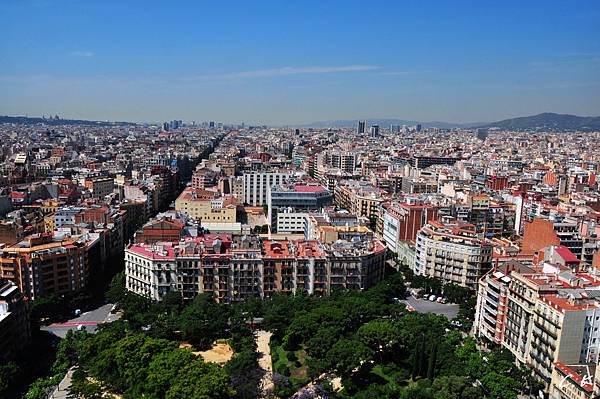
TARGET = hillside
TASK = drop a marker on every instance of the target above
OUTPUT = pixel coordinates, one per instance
(25, 120)
(549, 121)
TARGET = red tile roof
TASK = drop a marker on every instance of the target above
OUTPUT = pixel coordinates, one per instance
(567, 255)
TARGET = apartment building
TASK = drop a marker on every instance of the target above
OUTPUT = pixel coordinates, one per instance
(207, 206)
(575, 381)
(329, 226)
(203, 178)
(99, 186)
(492, 301)
(41, 264)
(423, 162)
(233, 185)
(548, 316)
(452, 252)
(490, 218)
(355, 264)
(419, 185)
(557, 230)
(360, 199)
(256, 185)
(233, 268)
(14, 321)
(343, 160)
(402, 221)
(293, 267)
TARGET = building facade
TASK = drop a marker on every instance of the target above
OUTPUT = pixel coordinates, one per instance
(14, 321)
(232, 268)
(453, 253)
(256, 185)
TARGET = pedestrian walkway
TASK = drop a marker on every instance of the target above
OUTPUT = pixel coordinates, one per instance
(265, 362)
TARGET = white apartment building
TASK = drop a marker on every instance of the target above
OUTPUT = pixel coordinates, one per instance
(257, 183)
(151, 272)
(452, 253)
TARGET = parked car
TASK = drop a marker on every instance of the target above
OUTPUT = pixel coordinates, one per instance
(432, 298)
(77, 312)
(440, 300)
(81, 327)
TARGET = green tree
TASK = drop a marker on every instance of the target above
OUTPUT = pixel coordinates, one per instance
(199, 380)
(432, 361)
(455, 387)
(163, 369)
(117, 291)
(203, 321)
(325, 338)
(82, 388)
(416, 391)
(347, 355)
(501, 386)
(8, 374)
(47, 306)
(383, 337)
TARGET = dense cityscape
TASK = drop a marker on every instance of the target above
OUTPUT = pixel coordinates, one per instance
(200, 236)
(299, 200)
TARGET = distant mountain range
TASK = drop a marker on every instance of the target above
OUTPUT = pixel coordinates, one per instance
(544, 122)
(25, 120)
(549, 122)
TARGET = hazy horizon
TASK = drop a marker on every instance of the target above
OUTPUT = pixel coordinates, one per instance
(292, 64)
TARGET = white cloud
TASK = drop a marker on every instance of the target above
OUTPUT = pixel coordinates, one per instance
(285, 71)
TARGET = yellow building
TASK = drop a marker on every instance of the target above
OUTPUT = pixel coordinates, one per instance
(330, 234)
(49, 224)
(361, 200)
(207, 206)
(49, 206)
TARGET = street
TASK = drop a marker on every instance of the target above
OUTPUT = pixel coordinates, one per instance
(450, 310)
(89, 319)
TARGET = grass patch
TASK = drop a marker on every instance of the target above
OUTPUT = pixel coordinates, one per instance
(379, 371)
(296, 370)
(299, 369)
(282, 360)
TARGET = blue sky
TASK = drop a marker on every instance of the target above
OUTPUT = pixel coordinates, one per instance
(281, 62)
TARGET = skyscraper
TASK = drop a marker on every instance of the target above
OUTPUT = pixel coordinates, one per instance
(361, 127)
(374, 131)
(482, 134)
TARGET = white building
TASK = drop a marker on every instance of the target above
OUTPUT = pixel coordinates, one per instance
(151, 272)
(452, 253)
(289, 221)
(256, 184)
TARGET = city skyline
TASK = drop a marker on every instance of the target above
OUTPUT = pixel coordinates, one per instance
(290, 64)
